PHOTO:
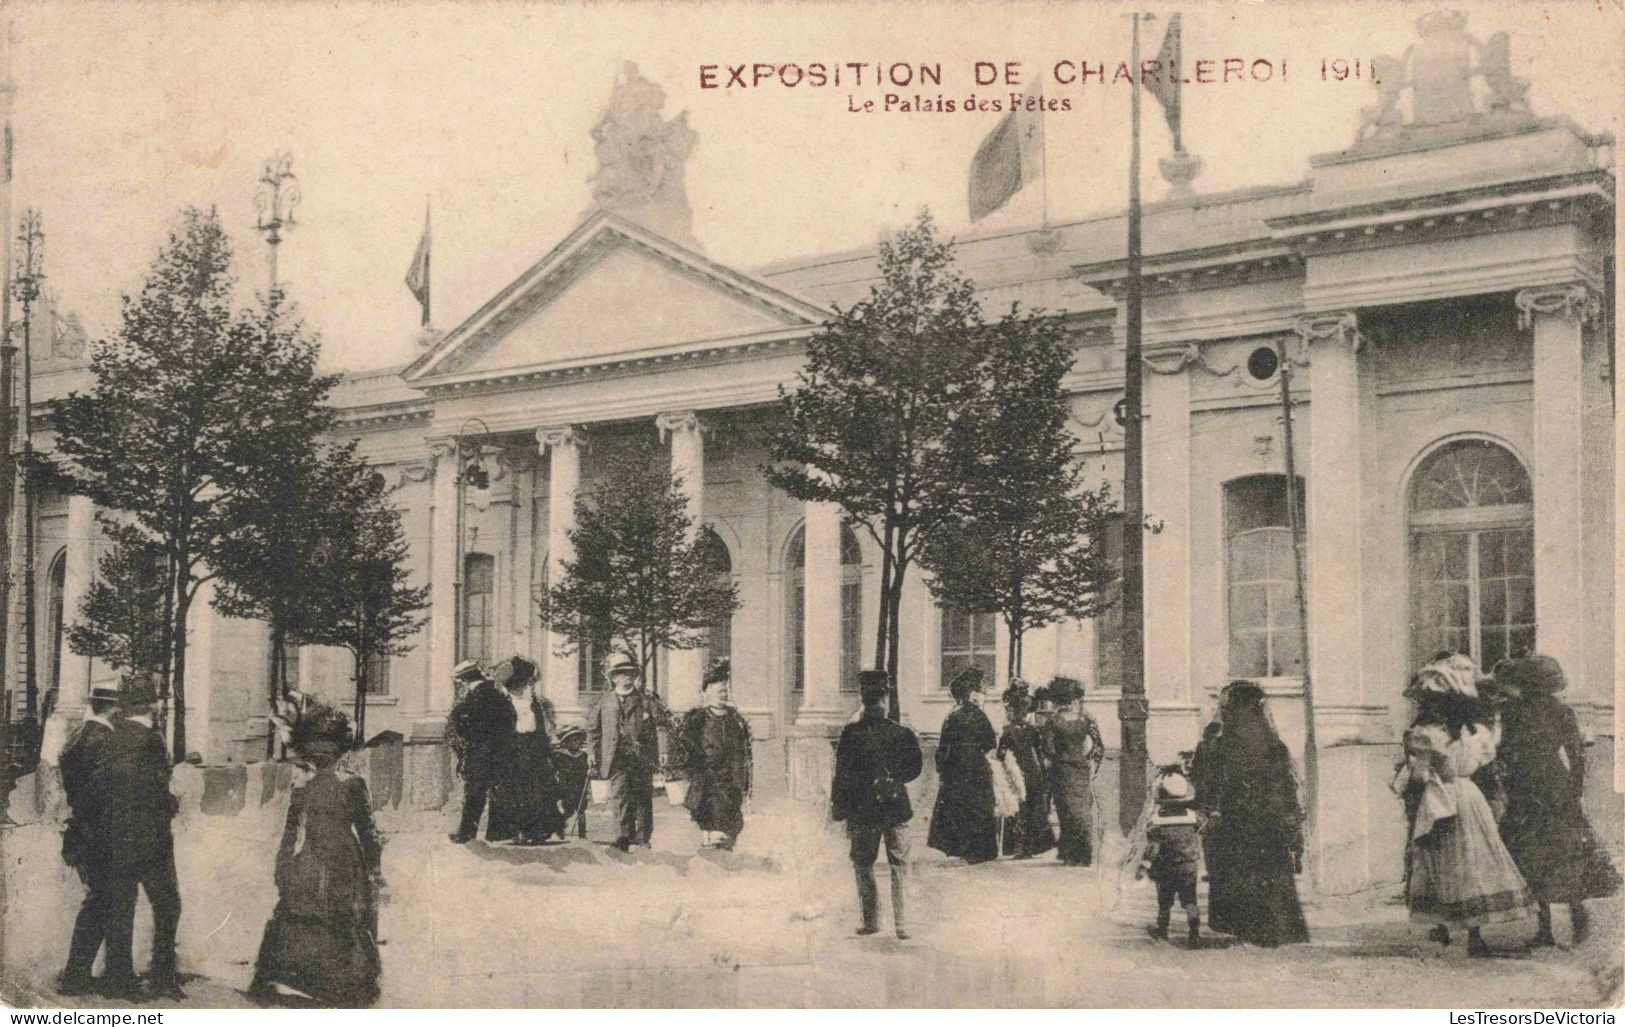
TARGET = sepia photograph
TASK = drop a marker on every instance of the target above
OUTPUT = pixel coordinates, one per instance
(717, 505)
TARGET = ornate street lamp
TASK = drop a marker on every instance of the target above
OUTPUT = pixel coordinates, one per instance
(275, 202)
(471, 473)
(25, 287)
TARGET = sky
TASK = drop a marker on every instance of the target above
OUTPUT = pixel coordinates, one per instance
(126, 112)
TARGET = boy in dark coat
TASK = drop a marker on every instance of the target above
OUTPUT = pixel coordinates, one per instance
(874, 761)
(1173, 852)
(570, 768)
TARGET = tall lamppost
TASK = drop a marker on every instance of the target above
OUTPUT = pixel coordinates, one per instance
(275, 202)
(25, 286)
(470, 472)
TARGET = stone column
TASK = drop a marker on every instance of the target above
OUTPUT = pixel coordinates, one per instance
(821, 626)
(443, 571)
(521, 552)
(1167, 553)
(73, 696)
(687, 437)
(1556, 315)
(562, 681)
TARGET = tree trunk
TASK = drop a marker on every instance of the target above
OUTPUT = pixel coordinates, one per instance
(360, 698)
(279, 684)
(1012, 663)
(882, 626)
(894, 603)
(167, 638)
(183, 605)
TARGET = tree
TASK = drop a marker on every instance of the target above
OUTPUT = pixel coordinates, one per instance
(640, 579)
(188, 403)
(359, 597)
(121, 617)
(871, 420)
(1031, 545)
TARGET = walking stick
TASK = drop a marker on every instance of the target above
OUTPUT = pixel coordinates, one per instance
(581, 807)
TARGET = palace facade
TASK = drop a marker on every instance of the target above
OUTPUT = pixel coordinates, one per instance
(1443, 288)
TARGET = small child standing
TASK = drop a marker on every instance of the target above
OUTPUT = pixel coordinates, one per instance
(1173, 852)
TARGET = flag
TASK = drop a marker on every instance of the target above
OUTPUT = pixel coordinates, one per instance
(417, 276)
(1166, 85)
(1011, 157)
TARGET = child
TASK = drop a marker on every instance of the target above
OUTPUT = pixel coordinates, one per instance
(1173, 852)
(570, 769)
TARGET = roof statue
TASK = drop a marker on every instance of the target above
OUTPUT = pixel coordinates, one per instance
(642, 158)
(59, 339)
(1438, 72)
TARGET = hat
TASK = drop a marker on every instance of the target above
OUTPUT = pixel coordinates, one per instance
(1451, 672)
(469, 670)
(1174, 786)
(1063, 690)
(138, 693)
(965, 682)
(1016, 697)
(720, 670)
(515, 672)
(322, 723)
(1531, 672)
(873, 685)
(104, 693)
(620, 663)
(570, 732)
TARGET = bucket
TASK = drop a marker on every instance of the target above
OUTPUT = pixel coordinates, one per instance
(676, 792)
(600, 791)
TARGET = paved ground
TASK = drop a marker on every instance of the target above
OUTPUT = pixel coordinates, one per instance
(771, 925)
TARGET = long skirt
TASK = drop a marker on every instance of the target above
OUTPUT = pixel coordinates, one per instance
(716, 803)
(1075, 806)
(1028, 832)
(334, 960)
(963, 822)
(1461, 873)
(1556, 850)
(525, 800)
(1251, 891)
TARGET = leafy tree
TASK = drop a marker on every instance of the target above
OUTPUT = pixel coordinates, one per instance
(640, 579)
(190, 400)
(121, 618)
(1031, 544)
(870, 424)
(358, 595)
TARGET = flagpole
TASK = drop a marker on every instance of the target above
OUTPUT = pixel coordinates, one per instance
(1132, 708)
(428, 257)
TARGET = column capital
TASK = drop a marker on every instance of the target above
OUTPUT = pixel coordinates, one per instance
(559, 436)
(671, 422)
(1337, 326)
(442, 448)
(1574, 302)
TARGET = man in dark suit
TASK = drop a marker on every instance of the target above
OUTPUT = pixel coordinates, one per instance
(142, 845)
(874, 760)
(83, 762)
(483, 723)
(623, 745)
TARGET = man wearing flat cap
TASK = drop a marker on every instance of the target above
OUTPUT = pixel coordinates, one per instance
(483, 724)
(623, 746)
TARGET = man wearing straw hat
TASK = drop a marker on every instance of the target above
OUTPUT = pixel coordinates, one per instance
(623, 746)
(83, 763)
(483, 723)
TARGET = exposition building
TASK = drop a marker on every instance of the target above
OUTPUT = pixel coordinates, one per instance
(1444, 289)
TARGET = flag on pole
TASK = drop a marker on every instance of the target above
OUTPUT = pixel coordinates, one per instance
(1165, 87)
(1009, 159)
(417, 276)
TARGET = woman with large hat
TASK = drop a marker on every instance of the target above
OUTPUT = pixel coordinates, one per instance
(1031, 831)
(717, 758)
(1072, 751)
(526, 803)
(963, 822)
(321, 941)
(1545, 826)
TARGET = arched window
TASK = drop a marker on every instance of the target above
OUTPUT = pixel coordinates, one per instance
(479, 614)
(1265, 636)
(719, 638)
(851, 608)
(56, 582)
(1472, 553)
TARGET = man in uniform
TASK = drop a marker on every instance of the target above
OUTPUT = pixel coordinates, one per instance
(482, 722)
(83, 763)
(623, 746)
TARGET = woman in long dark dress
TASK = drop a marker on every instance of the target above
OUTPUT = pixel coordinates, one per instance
(322, 938)
(1545, 826)
(1071, 748)
(1254, 828)
(1029, 830)
(963, 822)
(717, 757)
(525, 803)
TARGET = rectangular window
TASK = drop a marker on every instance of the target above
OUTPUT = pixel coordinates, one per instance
(1265, 635)
(1473, 592)
(968, 640)
(590, 668)
(479, 587)
(851, 633)
(378, 674)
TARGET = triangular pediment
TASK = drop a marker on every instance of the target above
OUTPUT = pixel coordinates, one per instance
(611, 290)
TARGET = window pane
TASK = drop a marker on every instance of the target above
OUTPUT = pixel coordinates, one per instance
(1248, 655)
(955, 630)
(798, 616)
(1249, 557)
(1470, 473)
(986, 631)
(1490, 561)
(1455, 556)
(851, 634)
(1492, 604)
(1287, 649)
(1248, 611)
(1520, 600)
(1520, 546)
(1492, 646)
